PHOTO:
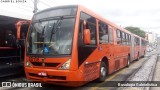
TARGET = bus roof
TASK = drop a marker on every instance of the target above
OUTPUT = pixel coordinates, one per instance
(88, 12)
(5, 20)
(58, 7)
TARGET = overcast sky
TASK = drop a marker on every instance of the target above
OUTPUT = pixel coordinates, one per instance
(140, 13)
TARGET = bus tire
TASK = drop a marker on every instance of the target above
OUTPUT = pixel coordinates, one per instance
(128, 61)
(103, 72)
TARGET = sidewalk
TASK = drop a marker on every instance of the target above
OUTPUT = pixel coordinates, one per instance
(145, 73)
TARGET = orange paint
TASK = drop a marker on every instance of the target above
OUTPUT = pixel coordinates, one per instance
(77, 75)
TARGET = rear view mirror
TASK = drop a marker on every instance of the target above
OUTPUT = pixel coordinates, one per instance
(87, 36)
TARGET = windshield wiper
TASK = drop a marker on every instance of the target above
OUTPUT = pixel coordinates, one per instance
(55, 27)
(59, 22)
(43, 40)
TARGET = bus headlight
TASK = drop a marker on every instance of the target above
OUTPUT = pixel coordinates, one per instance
(66, 65)
(28, 64)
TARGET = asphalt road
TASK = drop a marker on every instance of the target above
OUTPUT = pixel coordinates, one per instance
(121, 75)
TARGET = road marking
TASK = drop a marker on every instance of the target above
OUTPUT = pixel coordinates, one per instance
(110, 78)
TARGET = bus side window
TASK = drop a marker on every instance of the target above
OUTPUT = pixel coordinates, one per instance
(80, 33)
(129, 39)
(118, 37)
(126, 39)
(110, 35)
(135, 41)
(138, 41)
(123, 38)
(103, 33)
(143, 43)
(92, 28)
(90, 24)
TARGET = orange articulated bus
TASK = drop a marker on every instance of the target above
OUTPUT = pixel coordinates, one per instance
(71, 45)
(143, 48)
(136, 47)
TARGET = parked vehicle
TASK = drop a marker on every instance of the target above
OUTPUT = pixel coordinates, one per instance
(71, 46)
(11, 50)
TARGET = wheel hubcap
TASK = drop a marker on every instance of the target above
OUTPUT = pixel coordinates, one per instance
(103, 71)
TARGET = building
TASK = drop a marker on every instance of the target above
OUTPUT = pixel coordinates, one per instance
(152, 37)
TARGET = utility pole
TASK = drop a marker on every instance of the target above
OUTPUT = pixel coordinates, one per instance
(35, 6)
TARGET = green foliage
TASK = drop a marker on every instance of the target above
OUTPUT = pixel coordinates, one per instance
(136, 30)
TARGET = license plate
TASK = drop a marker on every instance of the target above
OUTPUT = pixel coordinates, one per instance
(42, 74)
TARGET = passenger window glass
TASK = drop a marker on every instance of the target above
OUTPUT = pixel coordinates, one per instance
(126, 39)
(88, 18)
(110, 35)
(123, 38)
(118, 37)
(90, 24)
(136, 41)
(80, 34)
(129, 39)
(103, 32)
(92, 28)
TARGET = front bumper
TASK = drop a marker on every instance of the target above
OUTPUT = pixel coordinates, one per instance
(58, 77)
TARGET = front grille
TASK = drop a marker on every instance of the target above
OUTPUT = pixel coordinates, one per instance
(35, 75)
(37, 63)
(57, 77)
(51, 64)
(49, 76)
(45, 64)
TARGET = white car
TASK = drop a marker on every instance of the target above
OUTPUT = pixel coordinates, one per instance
(149, 49)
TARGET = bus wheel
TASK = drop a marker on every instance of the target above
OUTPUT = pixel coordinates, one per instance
(103, 72)
(128, 61)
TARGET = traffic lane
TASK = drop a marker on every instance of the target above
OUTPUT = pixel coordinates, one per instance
(13, 78)
(16, 77)
(120, 75)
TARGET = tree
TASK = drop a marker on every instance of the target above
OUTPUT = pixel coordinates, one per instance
(136, 30)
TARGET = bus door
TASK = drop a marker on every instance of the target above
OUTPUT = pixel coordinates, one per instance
(132, 47)
(111, 48)
(22, 29)
(141, 47)
(118, 52)
(106, 41)
(104, 38)
(18, 55)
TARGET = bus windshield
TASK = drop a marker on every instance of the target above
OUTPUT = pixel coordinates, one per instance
(51, 37)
